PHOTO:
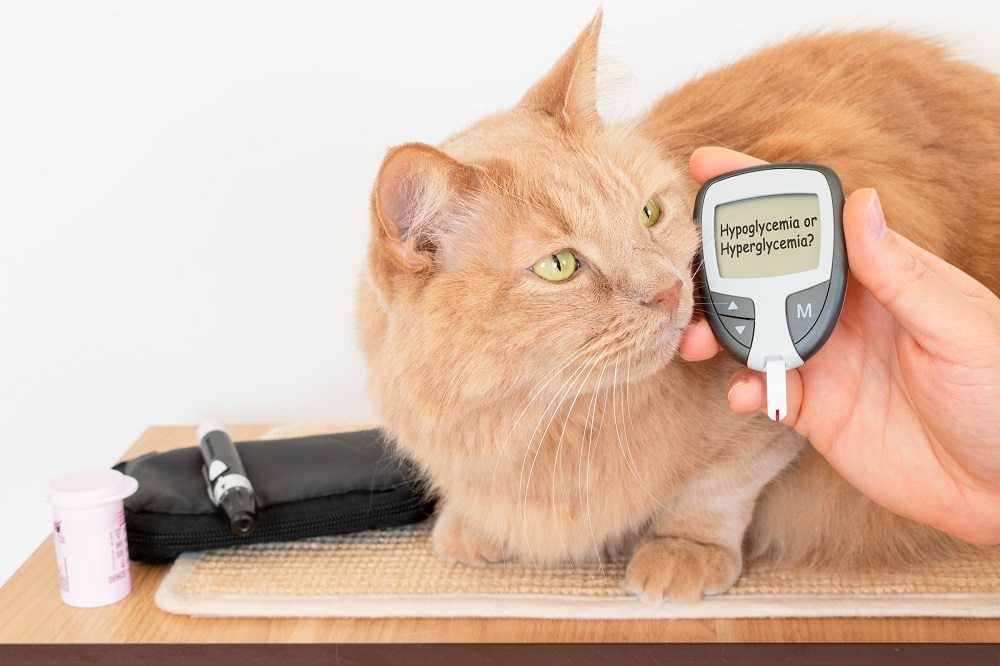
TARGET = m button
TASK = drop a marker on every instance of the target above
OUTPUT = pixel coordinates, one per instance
(802, 309)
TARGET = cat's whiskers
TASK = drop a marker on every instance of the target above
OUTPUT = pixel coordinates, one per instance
(621, 446)
(561, 396)
(449, 400)
(521, 414)
(603, 353)
(517, 420)
(590, 442)
(555, 461)
(627, 411)
(589, 430)
(599, 355)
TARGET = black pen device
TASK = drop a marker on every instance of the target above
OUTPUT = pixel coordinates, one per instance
(228, 485)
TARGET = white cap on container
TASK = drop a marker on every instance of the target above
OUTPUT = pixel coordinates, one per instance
(89, 488)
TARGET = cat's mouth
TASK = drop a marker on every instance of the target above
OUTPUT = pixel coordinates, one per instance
(660, 348)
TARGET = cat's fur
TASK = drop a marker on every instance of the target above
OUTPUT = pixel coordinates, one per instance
(553, 418)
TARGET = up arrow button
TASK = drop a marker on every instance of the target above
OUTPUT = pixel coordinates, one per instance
(733, 306)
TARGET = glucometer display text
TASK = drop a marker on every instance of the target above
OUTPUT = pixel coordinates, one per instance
(767, 236)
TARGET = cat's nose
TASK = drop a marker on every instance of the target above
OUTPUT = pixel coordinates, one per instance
(667, 297)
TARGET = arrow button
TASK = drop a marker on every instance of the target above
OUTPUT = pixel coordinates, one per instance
(733, 306)
(740, 329)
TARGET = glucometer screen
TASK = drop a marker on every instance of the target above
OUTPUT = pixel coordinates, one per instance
(767, 236)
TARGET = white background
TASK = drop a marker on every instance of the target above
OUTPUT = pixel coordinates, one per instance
(184, 189)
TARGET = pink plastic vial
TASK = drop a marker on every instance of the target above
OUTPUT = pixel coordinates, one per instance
(89, 533)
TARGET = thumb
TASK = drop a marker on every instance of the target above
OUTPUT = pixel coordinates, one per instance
(893, 270)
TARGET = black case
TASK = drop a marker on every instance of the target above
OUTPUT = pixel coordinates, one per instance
(304, 487)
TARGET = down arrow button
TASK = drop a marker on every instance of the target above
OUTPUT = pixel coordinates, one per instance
(741, 329)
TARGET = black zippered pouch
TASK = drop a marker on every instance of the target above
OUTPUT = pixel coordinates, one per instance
(303, 486)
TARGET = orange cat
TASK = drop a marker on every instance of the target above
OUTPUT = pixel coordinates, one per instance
(529, 279)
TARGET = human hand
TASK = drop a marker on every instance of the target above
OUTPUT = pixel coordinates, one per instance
(903, 400)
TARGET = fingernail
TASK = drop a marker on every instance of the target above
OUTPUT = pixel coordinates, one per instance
(876, 219)
(739, 382)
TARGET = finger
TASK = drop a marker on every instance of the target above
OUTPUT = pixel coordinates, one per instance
(926, 305)
(748, 393)
(698, 342)
(711, 161)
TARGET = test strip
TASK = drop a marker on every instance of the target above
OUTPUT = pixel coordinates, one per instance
(777, 407)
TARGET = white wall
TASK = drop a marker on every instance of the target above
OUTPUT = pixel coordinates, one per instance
(184, 189)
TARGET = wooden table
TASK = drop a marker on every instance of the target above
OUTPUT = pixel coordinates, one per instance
(32, 612)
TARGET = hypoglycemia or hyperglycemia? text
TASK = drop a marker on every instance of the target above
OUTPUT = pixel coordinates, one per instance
(768, 235)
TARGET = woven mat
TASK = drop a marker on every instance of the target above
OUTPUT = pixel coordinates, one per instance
(393, 573)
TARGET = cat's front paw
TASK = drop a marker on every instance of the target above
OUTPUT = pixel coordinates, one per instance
(454, 541)
(680, 569)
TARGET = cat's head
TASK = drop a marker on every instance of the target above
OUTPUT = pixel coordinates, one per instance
(534, 243)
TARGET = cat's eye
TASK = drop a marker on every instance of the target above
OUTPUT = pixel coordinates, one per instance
(557, 267)
(651, 212)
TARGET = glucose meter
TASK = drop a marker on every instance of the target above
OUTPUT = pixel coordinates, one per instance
(773, 270)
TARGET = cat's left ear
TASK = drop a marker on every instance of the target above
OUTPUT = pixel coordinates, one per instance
(569, 91)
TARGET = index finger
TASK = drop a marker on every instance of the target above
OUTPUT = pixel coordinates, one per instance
(711, 161)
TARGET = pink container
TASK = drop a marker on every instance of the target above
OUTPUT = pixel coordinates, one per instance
(91, 544)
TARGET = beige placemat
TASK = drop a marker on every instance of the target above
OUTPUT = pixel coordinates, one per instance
(393, 573)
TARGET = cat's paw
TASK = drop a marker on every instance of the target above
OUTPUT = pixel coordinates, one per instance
(453, 541)
(680, 569)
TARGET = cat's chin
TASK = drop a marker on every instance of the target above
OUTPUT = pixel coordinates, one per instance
(657, 354)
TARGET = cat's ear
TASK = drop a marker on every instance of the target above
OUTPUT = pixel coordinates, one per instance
(569, 91)
(417, 191)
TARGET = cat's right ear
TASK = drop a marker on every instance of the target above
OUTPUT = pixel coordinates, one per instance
(418, 190)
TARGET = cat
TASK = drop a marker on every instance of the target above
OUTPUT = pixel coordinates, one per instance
(520, 317)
